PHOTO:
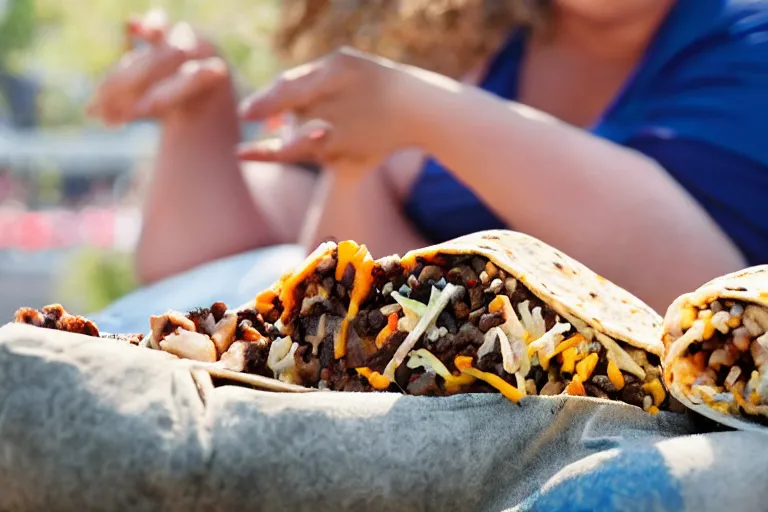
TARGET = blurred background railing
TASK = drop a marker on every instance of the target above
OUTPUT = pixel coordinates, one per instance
(70, 188)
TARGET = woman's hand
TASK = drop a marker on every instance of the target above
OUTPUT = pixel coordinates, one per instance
(174, 71)
(355, 110)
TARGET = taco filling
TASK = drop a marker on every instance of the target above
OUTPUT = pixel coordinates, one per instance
(438, 326)
(432, 323)
(720, 356)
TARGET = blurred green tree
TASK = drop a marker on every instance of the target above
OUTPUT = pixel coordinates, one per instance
(17, 27)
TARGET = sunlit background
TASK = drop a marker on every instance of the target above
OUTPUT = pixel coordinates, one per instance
(69, 188)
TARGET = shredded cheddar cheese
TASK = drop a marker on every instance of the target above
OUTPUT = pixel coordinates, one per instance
(376, 380)
(363, 263)
(464, 364)
(739, 400)
(615, 376)
(575, 387)
(425, 358)
(656, 390)
(264, 301)
(687, 317)
(586, 366)
(700, 360)
(291, 281)
(387, 331)
(345, 254)
(497, 304)
(570, 356)
(709, 328)
(571, 342)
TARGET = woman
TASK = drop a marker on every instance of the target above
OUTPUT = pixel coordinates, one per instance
(624, 133)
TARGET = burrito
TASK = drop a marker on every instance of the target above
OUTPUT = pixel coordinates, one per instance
(716, 341)
(495, 311)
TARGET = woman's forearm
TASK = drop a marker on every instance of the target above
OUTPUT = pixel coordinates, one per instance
(614, 209)
(360, 210)
(198, 207)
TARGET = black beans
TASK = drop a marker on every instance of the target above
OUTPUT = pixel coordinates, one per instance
(348, 278)
(446, 320)
(471, 334)
(326, 265)
(430, 273)
(475, 298)
(595, 391)
(633, 393)
(461, 311)
(490, 320)
(604, 383)
(369, 323)
(474, 316)
(424, 384)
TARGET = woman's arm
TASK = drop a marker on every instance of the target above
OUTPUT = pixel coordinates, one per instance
(198, 207)
(364, 210)
(615, 209)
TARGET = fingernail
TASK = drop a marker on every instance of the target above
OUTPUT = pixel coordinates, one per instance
(317, 134)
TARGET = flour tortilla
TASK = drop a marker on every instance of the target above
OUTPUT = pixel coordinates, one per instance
(568, 286)
(750, 286)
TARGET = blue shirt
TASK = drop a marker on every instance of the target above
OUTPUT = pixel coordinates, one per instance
(697, 104)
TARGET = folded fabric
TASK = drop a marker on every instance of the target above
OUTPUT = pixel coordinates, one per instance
(93, 424)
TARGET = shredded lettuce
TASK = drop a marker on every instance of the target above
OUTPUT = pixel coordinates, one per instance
(427, 360)
(489, 343)
(436, 306)
(412, 309)
(623, 360)
(546, 344)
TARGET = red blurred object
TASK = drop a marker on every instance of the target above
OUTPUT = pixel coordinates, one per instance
(56, 229)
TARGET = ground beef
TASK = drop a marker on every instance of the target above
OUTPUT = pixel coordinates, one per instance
(307, 367)
(360, 349)
(421, 293)
(490, 320)
(471, 334)
(348, 278)
(632, 392)
(384, 355)
(446, 320)
(198, 317)
(489, 362)
(326, 266)
(369, 323)
(604, 383)
(256, 358)
(424, 384)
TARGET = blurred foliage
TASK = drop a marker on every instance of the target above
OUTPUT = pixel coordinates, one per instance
(95, 278)
(75, 43)
(17, 27)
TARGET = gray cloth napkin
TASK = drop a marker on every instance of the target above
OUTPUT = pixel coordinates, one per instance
(91, 424)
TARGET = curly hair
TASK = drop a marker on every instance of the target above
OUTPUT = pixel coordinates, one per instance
(446, 36)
